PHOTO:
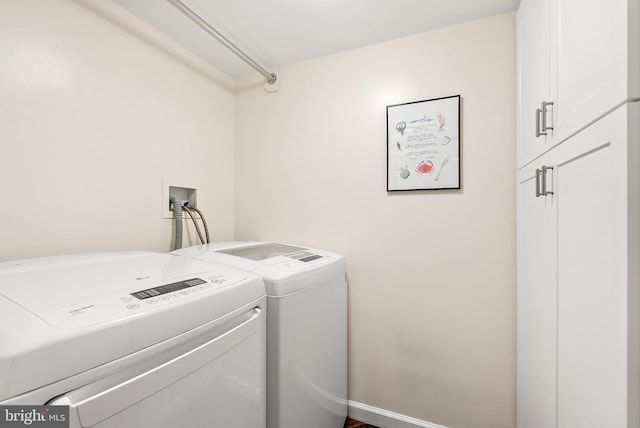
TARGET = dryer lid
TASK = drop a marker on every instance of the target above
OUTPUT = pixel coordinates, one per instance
(93, 289)
(61, 316)
(47, 284)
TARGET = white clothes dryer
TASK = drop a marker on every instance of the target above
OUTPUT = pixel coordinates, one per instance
(134, 340)
(306, 328)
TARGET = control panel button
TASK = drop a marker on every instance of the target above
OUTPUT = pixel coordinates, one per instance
(133, 306)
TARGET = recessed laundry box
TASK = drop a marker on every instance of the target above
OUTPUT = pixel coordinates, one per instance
(134, 340)
(306, 328)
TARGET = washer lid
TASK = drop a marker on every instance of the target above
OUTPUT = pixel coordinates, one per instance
(264, 251)
(285, 268)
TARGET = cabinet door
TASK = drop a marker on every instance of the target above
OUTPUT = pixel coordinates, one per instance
(536, 308)
(591, 63)
(533, 74)
(590, 176)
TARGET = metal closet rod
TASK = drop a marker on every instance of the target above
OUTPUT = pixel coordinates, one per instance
(271, 77)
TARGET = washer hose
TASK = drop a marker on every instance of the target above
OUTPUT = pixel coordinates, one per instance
(177, 215)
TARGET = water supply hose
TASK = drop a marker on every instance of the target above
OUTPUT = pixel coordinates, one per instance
(177, 215)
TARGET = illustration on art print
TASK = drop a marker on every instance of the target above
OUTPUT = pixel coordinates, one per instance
(423, 145)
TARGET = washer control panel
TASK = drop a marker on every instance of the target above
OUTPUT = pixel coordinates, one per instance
(304, 256)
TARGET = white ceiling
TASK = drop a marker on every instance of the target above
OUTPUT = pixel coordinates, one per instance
(281, 32)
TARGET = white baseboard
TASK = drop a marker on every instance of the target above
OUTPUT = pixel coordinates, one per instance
(384, 418)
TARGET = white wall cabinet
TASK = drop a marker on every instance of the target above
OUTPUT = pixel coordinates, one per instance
(532, 33)
(578, 214)
(536, 309)
(578, 282)
(577, 61)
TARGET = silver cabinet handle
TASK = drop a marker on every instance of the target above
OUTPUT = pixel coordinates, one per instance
(546, 192)
(541, 116)
(545, 128)
(538, 114)
(541, 181)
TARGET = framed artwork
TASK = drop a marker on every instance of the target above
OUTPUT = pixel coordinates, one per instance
(423, 145)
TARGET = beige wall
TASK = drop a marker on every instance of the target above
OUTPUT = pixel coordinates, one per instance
(432, 273)
(93, 117)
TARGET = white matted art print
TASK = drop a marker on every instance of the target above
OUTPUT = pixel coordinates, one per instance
(423, 145)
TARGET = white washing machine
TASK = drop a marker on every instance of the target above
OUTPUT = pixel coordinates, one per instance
(134, 340)
(306, 328)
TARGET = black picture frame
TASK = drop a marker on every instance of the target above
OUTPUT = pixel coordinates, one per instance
(423, 145)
